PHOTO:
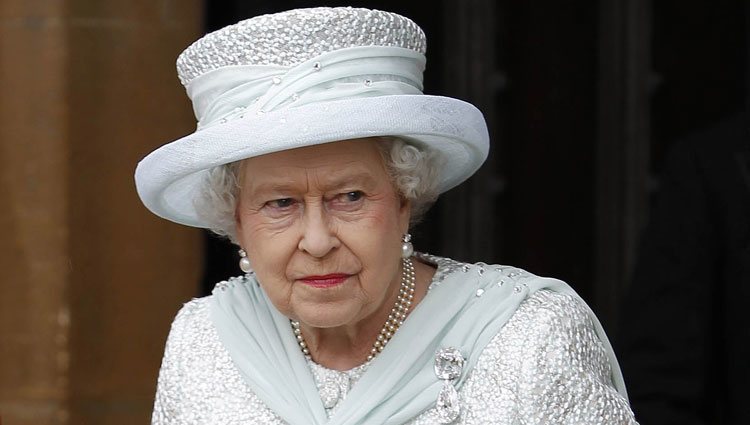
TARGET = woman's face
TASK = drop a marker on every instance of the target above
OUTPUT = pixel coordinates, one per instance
(322, 227)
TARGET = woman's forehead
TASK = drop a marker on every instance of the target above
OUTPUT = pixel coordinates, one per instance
(330, 164)
(363, 152)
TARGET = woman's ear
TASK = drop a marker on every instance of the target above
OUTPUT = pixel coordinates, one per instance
(404, 214)
(239, 175)
(237, 221)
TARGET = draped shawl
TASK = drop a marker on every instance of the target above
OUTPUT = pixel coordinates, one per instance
(466, 310)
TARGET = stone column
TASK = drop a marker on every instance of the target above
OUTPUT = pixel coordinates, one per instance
(34, 232)
(89, 280)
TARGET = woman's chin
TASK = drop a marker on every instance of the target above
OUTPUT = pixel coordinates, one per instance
(328, 316)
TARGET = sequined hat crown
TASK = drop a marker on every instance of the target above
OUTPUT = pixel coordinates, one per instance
(292, 37)
(300, 78)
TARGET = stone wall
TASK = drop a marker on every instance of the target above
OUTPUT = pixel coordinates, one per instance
(89, 280)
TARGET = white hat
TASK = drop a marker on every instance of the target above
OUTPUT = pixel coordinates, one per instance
(301, 78)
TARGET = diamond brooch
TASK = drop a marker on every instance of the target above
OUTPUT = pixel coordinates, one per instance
(449, 363)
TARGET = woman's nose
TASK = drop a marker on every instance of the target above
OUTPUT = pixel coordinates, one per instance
(318, 238)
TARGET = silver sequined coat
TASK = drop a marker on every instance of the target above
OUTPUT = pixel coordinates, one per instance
(546, 366)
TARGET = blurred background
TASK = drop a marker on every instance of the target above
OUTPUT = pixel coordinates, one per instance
(584, 100)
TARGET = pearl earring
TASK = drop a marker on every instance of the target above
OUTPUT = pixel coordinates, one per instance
(245, 262)
(407, 249)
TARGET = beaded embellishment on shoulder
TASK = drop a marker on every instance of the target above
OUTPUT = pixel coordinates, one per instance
(447, 266)
(232, 281)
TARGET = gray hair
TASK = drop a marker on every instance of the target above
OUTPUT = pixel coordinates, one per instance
(414, 172)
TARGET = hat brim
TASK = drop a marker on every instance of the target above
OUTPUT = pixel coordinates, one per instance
(170, 178)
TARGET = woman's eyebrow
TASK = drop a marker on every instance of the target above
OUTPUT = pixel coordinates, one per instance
(272, 187)
(344, 180)
(332, 181)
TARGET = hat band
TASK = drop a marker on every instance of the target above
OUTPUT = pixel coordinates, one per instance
(233, 92)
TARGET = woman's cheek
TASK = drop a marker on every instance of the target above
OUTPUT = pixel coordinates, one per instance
(374, 212)
(260, 225)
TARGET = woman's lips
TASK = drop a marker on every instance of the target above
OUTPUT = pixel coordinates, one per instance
(325, 281)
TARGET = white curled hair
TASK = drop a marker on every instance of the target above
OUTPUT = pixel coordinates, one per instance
(414, 173)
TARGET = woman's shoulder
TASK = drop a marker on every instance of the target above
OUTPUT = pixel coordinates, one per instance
(198, 380)
(445, 267)
(549, 315)
(194, 315)
(549, 322)
(512, 276)
(191, 325)
(191, 310)
(552, 308)
(548, 356)
(193, 343)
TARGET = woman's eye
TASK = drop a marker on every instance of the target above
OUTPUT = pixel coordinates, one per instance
(280, 203)
(353, 196)
(348, 201)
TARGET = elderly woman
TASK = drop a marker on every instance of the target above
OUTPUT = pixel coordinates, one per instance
(315, 150)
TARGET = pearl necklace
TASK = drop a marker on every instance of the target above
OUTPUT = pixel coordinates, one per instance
(395, 318)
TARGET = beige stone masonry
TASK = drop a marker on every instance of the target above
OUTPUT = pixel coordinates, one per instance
(89, 280)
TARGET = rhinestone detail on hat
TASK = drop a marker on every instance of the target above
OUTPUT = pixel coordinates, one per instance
(292, 37)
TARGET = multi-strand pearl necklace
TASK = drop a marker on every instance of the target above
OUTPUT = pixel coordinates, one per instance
(395, 318)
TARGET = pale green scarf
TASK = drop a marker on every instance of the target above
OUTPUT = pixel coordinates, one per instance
(400, 383)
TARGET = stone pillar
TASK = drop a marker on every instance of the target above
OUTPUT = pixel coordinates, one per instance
(89, 280)
(34, 256)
